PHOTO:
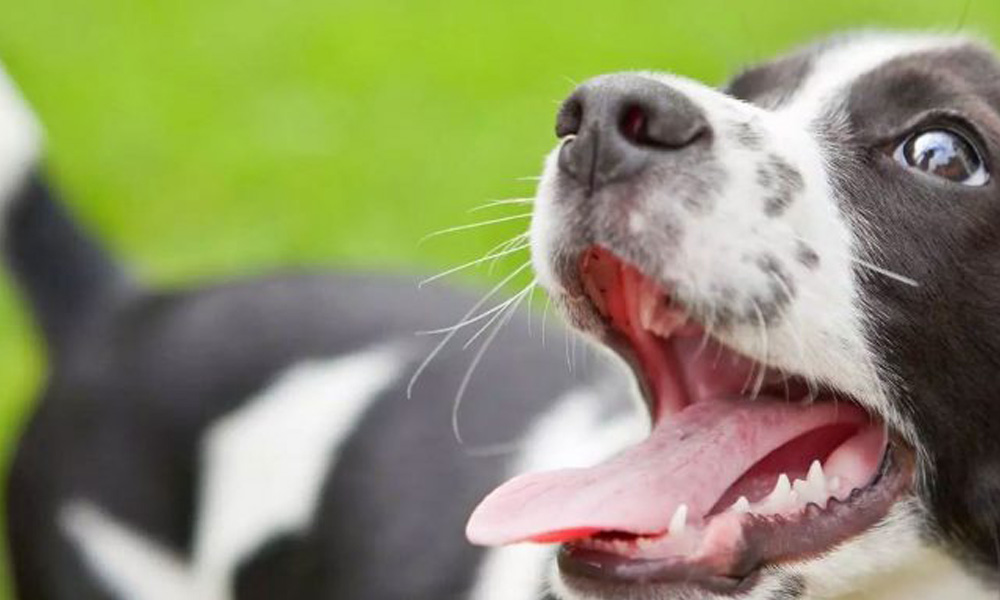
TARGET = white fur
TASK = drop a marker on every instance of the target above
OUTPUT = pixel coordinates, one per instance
(823, 333)
(822, 336)
(129, 564)
(574, 433)
(264, 465)
(262, 472)
(20, 141)
(891, 562)
(840, 66)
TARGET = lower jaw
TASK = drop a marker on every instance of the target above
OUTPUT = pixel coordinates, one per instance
(764, 542)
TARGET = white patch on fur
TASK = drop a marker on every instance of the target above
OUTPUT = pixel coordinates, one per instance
(263, 467)
(130, 565)
(20, 141)
(574, 433)
(890, 562)
(837, 68)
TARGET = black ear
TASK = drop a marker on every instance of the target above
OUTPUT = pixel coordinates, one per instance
(770, 83)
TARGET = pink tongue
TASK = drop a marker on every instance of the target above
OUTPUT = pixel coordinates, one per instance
(690, 458)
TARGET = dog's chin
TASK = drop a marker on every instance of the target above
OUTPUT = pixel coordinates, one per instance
(747, 469)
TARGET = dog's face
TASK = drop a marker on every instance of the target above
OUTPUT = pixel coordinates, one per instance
(804, 271)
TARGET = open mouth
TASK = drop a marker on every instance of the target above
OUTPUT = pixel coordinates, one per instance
(745, 466)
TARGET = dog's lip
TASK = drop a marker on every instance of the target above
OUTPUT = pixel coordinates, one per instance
(765, 542)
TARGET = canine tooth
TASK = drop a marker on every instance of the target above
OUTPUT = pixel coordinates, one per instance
(779, 499)
(647, 307)
(782, 488)
(679, 521)
(742, 505)
(816, 477)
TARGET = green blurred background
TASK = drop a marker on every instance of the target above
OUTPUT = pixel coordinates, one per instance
(216, 138)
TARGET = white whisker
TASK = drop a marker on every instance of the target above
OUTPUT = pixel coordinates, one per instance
(890, 274)
(796, 339)
(572, 352)
(508, 243)
(504, 202)
(472, 263)
(440, 346)
(515, 300)
(873, 267)
(531, 312)
(569, 362)
(545, 317)
(708, 334)
(472, 226)
(762, 372)
(460, 394)
(468, 321)
(506, 246)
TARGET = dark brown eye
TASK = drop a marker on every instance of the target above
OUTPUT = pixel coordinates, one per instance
(945, 154)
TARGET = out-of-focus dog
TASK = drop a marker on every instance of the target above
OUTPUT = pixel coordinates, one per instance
(255, 439)
(801, 270)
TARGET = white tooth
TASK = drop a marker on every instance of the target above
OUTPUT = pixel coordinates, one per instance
(647, 306)
(778, 500)
(803, 488)
(816, 477)
(742, 505)
(666, 321)
(834, 484)
(782, 488)
(679, 521)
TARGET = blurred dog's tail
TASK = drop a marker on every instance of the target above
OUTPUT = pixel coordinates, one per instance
(65, 276)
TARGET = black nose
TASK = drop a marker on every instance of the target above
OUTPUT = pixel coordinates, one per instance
(618, 124)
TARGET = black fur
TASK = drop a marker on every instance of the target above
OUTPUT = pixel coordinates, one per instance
(942, 338)
(140, 375)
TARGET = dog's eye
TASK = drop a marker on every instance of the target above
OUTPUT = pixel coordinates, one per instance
(945, 154)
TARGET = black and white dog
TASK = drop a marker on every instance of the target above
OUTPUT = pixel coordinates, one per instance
(802, 271)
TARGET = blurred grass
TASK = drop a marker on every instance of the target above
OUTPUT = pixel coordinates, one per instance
(210, 138)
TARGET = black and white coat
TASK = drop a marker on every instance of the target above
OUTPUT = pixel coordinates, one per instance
(255, 439)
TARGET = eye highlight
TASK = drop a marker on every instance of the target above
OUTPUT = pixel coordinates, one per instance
(945, 154)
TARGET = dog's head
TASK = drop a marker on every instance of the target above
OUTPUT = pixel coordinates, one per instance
(803, 269)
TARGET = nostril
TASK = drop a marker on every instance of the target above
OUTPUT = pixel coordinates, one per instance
(665, 125)
(633, 124)
(570, 117)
